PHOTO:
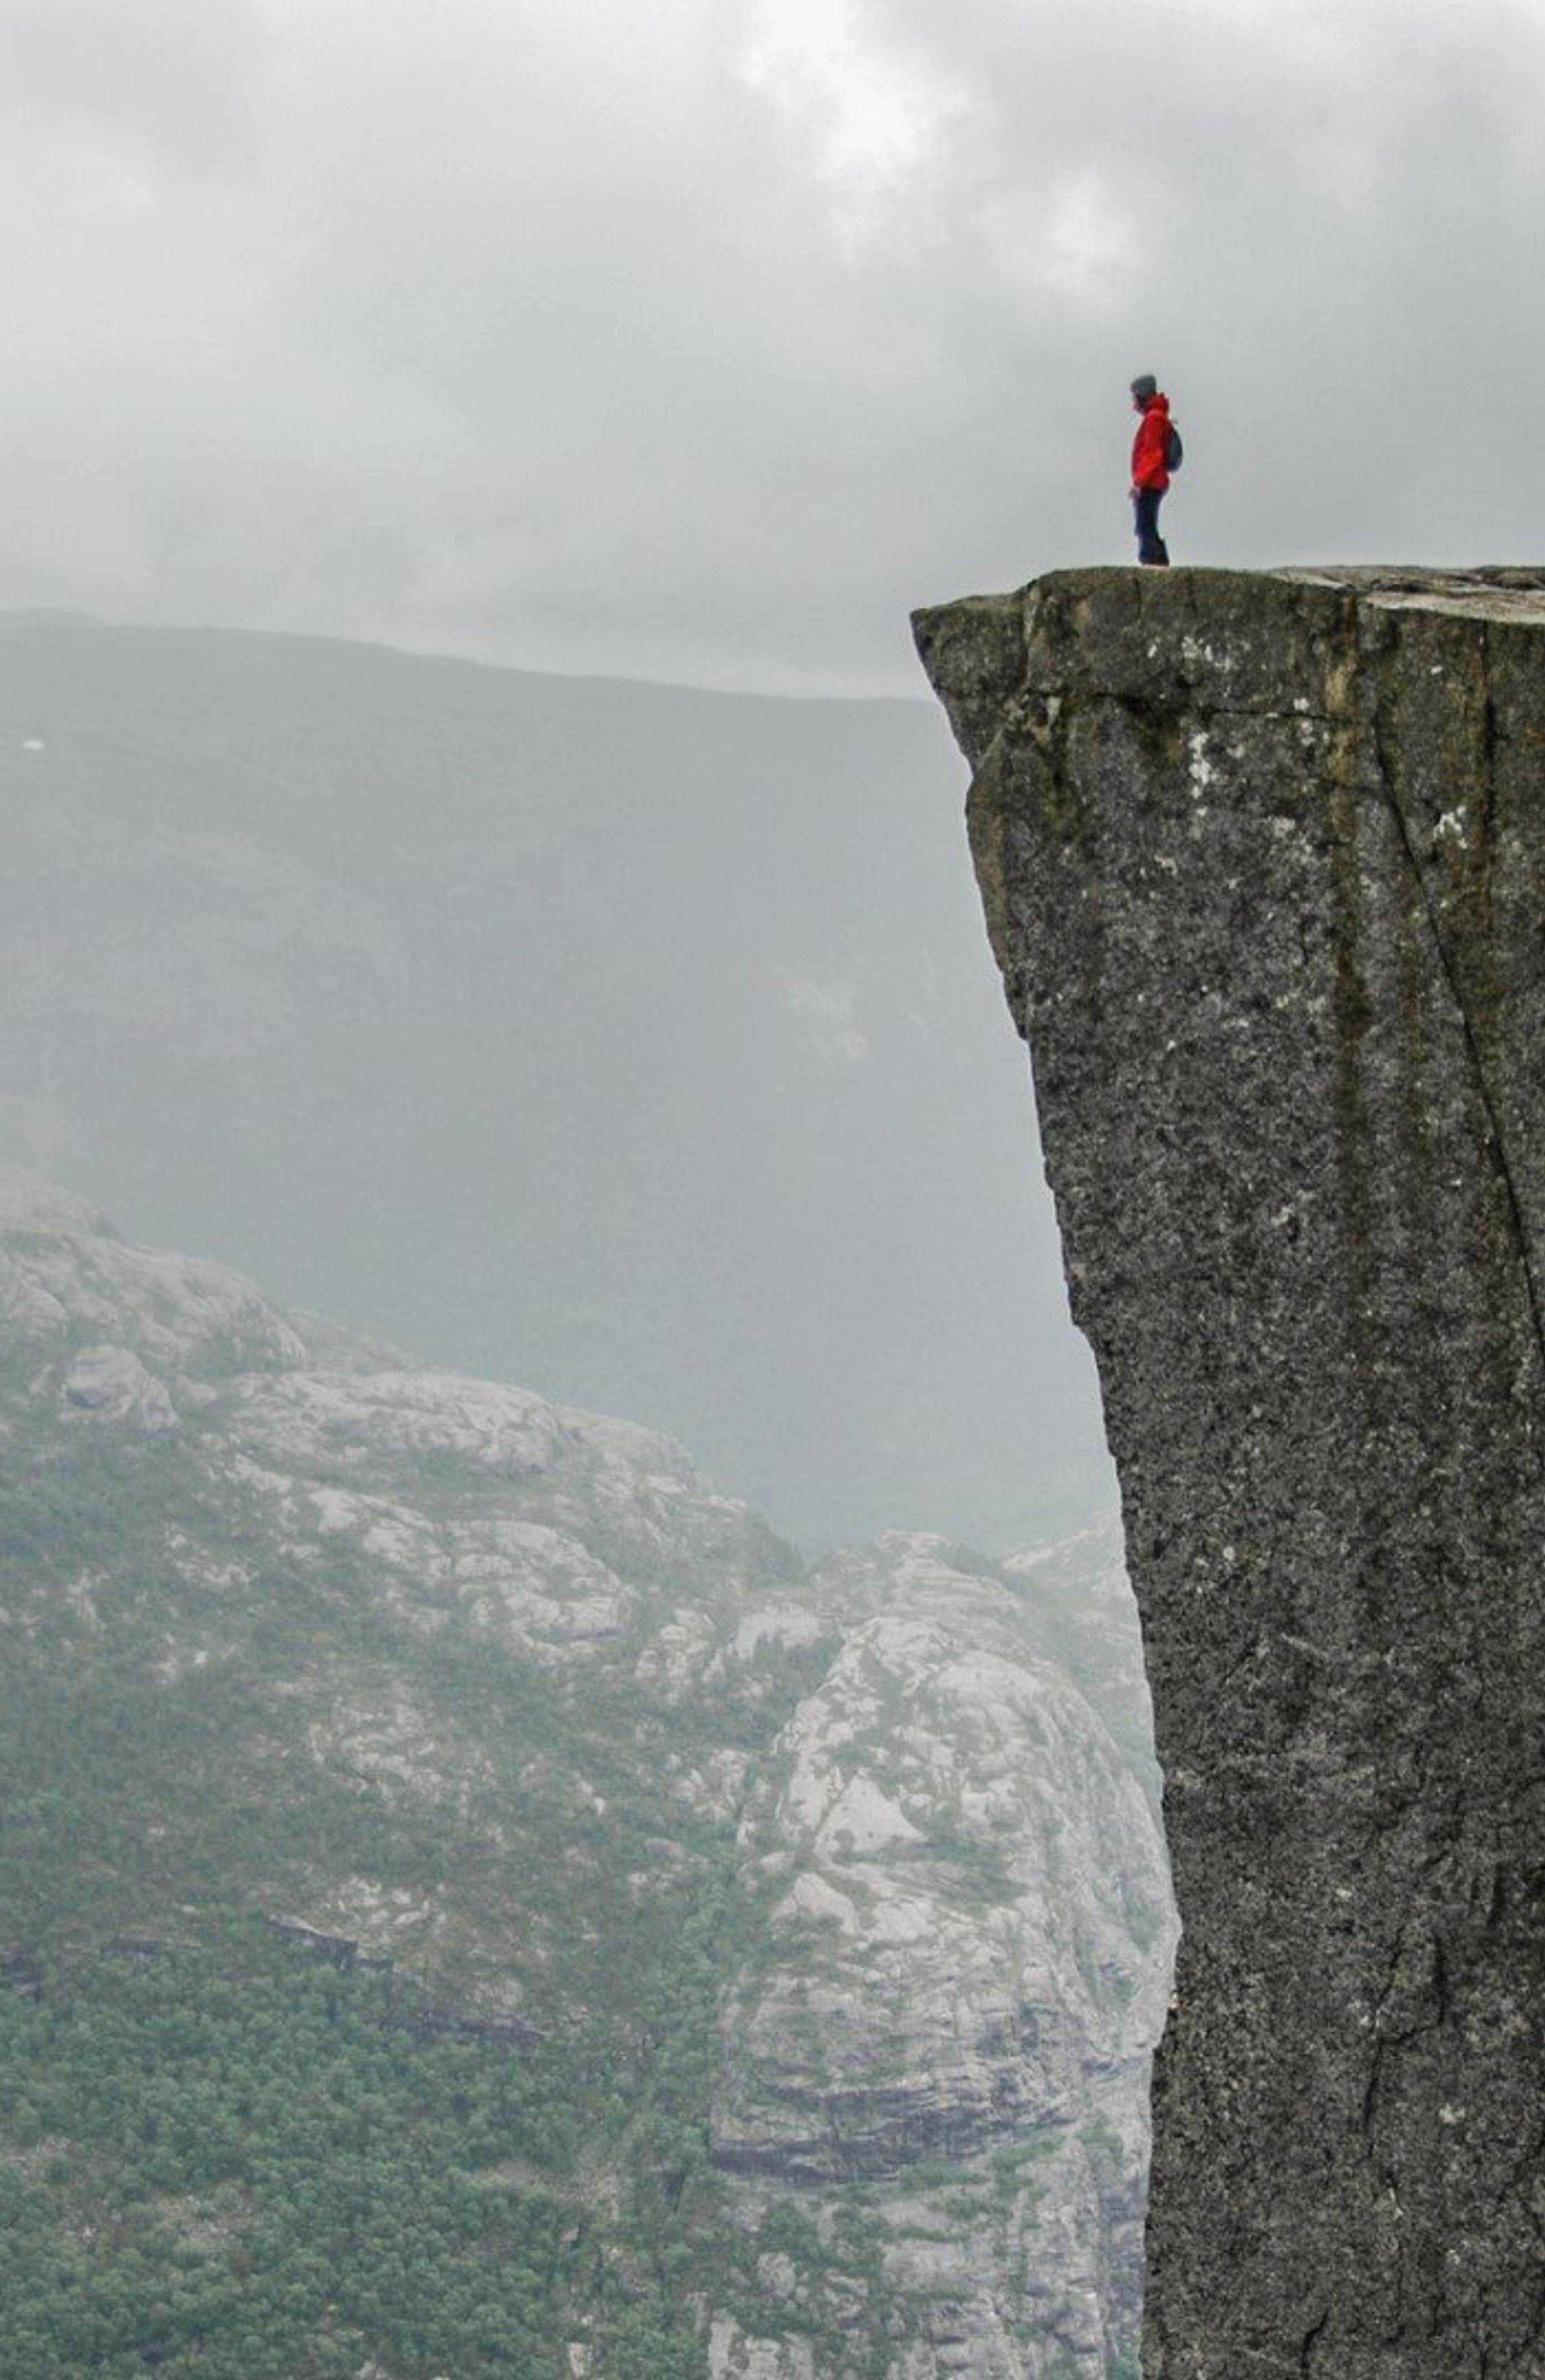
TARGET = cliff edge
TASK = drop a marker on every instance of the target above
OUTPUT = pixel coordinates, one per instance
(1263, 863)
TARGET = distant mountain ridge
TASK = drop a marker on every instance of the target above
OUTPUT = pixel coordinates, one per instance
(637, 1042)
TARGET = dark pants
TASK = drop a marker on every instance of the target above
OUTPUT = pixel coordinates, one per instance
(1146, 513)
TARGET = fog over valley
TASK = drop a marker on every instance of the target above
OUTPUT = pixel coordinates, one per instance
(639, 1046)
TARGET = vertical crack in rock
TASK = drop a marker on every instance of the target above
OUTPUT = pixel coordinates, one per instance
(1394, 774)
(1262, 858)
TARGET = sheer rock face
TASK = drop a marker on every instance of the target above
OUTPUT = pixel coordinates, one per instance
(1263, 864)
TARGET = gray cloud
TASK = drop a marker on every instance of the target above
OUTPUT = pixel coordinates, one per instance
(699, 338)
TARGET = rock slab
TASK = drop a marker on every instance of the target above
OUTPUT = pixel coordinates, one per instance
(1262, 857)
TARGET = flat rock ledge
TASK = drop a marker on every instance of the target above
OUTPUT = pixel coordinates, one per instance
(1263, 857)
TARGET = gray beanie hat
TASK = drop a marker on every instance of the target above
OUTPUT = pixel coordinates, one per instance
(1145, 385)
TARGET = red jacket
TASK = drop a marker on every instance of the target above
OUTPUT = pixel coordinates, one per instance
(1148, 445)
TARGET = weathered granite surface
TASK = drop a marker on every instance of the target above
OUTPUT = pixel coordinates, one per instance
(1263, 863)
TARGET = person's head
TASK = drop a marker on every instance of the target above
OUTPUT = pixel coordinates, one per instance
(1145, 388)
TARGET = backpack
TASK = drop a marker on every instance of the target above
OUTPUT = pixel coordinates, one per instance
(1174, 451)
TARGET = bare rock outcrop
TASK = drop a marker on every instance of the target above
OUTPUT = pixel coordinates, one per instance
(111, 1384)
(1263, 863)
(950, 2010)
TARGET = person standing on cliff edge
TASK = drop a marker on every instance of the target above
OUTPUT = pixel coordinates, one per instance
(1151, 450)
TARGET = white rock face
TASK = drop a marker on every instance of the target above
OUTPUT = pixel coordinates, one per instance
(426, 1416)
(112, 1384)
(63, 1271)
(966, 1968)
(734, 2355)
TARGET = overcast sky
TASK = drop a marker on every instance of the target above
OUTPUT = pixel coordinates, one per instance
(699, 339)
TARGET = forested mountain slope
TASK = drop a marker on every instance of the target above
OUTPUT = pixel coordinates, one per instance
(473, 1903)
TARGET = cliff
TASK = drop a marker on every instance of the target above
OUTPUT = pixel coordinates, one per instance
(1263, 864)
